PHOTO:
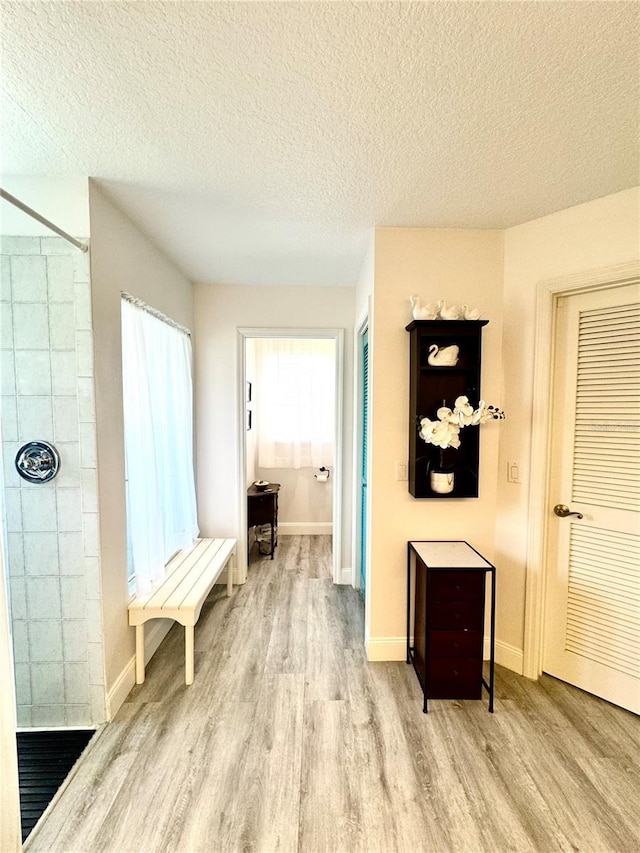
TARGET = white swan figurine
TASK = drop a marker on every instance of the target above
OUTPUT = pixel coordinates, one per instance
(420, 311)
(444, 357)
(470, 313)
(451, 313)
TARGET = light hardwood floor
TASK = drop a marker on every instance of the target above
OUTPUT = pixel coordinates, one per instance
(289, 740)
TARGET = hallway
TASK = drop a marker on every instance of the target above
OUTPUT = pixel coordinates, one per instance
(289, 740)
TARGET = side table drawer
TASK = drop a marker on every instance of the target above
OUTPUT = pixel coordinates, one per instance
(457, 678)
(261, 510)
(457, 586)
(455, 616)
(455, 644)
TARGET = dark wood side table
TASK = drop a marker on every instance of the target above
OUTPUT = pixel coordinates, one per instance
(262, 508)
(448, 608)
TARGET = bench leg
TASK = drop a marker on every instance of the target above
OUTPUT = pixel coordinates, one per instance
(140, 654)
(188, 653)
(231, 568)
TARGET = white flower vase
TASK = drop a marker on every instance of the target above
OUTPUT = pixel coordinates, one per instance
(441, 482)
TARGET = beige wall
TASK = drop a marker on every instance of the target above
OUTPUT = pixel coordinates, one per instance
(122, 258)
(219, 312)
(461, 267)
(598, 234)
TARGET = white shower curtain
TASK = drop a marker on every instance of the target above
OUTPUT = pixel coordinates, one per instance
(158, 421)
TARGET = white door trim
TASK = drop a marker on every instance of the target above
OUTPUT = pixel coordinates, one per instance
(336, 335)
(548, 293)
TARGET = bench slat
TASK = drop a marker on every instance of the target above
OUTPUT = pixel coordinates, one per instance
(176, 570)
(194, 588)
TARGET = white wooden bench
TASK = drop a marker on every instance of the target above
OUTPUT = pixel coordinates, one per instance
(190, 574)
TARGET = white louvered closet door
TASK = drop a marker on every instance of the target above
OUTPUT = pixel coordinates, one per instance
(592, 604)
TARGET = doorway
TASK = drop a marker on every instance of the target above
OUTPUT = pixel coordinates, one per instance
(331, 487)
(581, 619)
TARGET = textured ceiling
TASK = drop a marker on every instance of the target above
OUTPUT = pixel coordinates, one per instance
(259, 142)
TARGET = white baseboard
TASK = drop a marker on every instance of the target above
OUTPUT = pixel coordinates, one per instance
(395, 648)
(346, 576)
(305, 528)
(508, 656)
(124, 683)
(386, 648)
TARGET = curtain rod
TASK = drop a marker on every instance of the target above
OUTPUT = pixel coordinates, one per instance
(34, 215)
(154, 312)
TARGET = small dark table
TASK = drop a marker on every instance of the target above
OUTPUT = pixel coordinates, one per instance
(448, 619)
(262, 508)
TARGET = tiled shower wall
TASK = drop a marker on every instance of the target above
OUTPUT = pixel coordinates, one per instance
(52, 528)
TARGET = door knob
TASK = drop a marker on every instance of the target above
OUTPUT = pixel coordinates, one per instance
(562, 510)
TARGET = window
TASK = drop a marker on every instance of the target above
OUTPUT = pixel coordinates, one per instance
(158, 431)
(296, 411)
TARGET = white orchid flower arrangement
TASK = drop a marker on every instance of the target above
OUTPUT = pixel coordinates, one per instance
(445, 431)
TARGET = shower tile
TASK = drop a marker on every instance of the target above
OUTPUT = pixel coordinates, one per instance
(94, 621)
(5, 278)
(86, 401)
(91, 534)
(45, 640)
(48, 715)
(6, 325)
(76, 682)
(18, 598)
(69, 510)
(20, 634)
(78, 715)
(15, 550)
(47, 683)
(83, 305)
(60, 273)
(20, 245)
(81, 266)
(71, 553)
(41, 556)
(9, 416)
(89, 490)
(35, 418)
(11, 477)
(98, 710)
(64, 374)
(96, 663)
(74, 640)
(57, 246)
(39, 509)
(33, 372)
(31, 326)
(65, 418)
(69, 472)
(62, 326)
(24, 716)
(28, 278)
(8, 373)
(92, 574)
(74, 594)
(23, 685)
(84, 347)
(88, 451)
(13, 510)
(43, 598)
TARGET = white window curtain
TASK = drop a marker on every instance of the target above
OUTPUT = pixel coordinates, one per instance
(296, 403)
(158, 428)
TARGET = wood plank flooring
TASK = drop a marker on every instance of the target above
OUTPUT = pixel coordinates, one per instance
(289, 740)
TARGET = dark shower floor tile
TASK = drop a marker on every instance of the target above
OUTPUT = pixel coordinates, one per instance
(44, 761)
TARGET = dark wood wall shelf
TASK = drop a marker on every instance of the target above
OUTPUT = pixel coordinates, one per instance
(433, 386)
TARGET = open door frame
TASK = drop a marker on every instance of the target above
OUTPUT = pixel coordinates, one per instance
(548, 294)
(336, 335)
